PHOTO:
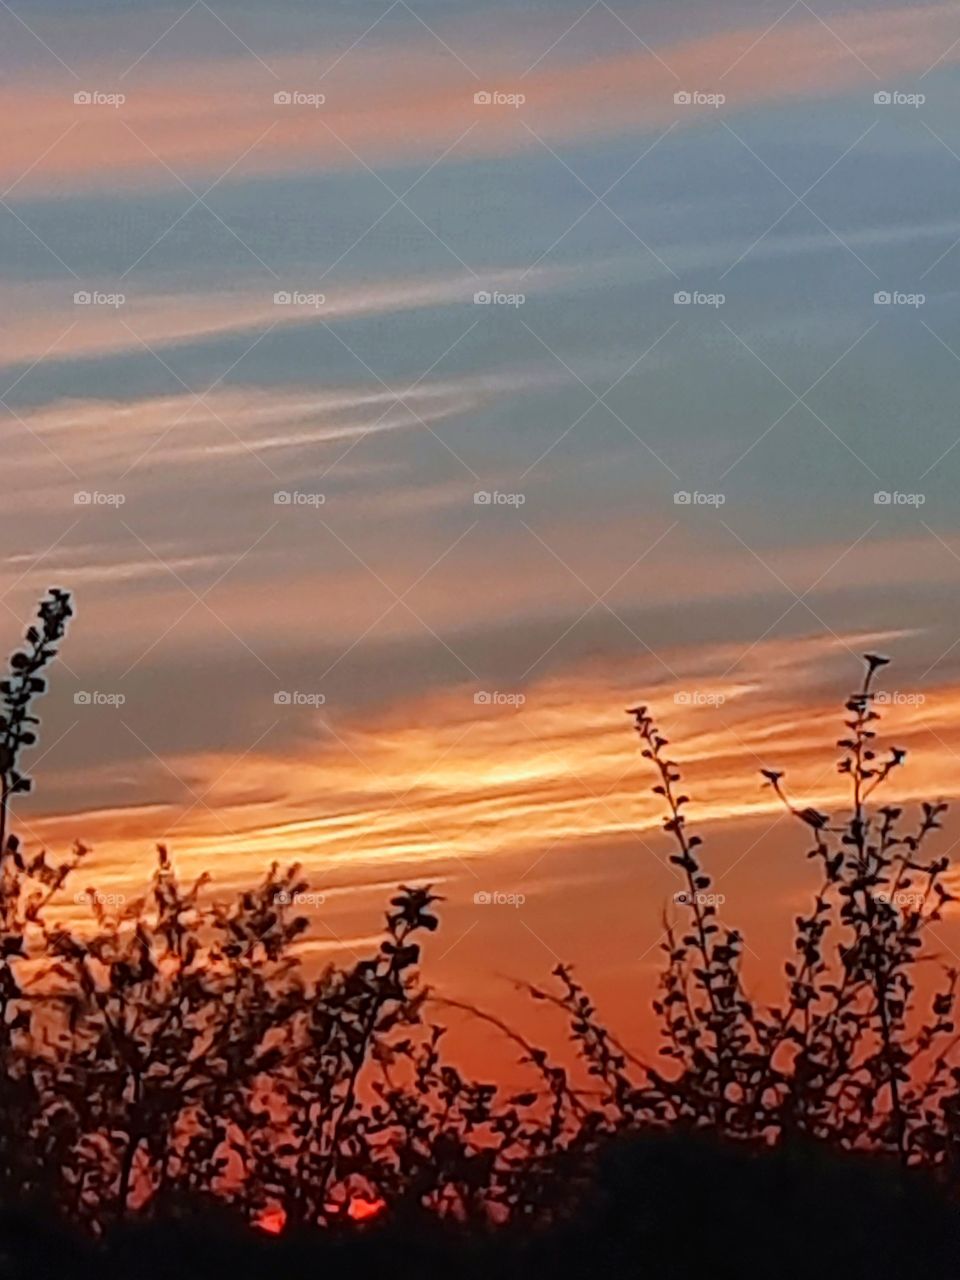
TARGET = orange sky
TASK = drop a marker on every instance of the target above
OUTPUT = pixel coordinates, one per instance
(548, 801)
(149, 443)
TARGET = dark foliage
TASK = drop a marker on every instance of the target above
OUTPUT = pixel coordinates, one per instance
(661, 1205)
(170, 1077)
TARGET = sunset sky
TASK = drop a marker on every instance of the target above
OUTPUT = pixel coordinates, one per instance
(383, 597)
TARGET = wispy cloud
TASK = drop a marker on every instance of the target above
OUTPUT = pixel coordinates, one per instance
(446, 781)
(398, 106)
(50, 325)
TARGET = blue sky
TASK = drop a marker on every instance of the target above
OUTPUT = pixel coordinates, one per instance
(596, 400)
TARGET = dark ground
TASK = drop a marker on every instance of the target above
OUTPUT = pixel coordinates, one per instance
(663, 1208)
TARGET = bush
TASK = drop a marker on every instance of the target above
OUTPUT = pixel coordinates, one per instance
(169, 1058)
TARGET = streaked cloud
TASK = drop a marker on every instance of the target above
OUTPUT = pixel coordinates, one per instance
(449, 782)
(397, 400)
(218, 120)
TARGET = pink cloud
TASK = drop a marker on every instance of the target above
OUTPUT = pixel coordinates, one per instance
(204, 119)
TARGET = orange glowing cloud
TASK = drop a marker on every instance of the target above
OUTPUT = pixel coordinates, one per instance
(449, 782)
(548, 801)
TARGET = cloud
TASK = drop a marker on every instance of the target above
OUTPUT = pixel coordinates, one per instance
(52, 327)
(210, 121)
(442, 780)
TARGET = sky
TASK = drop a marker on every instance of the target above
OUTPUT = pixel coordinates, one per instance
(405, 390)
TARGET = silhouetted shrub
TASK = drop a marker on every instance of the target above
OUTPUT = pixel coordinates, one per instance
(167, 1067)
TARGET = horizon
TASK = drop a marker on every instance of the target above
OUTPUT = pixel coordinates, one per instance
(612, 397)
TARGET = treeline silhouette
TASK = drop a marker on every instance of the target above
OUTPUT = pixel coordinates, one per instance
(174, 1087)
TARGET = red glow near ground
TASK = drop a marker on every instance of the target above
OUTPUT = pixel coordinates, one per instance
(361, 1210)
(274, 1220)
